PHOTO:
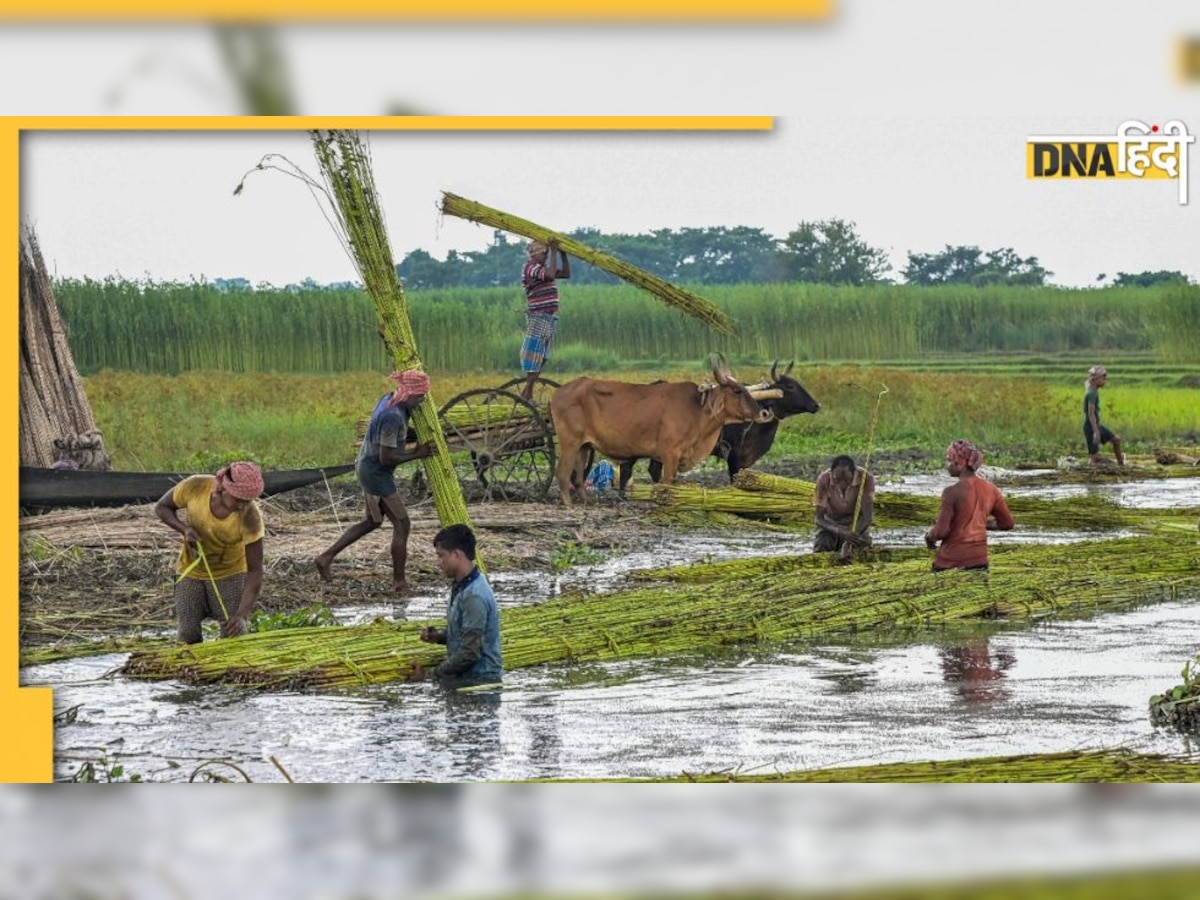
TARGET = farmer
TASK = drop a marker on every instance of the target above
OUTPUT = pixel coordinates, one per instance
(221, 562)
(472, 633)
(383, 448)
(1094, 433)
(971, 507)
(541, 310)
(836, 497)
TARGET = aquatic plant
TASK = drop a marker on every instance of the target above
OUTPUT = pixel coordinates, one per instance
(1179, 707)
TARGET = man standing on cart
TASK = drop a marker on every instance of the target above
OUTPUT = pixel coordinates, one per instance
(545, 265)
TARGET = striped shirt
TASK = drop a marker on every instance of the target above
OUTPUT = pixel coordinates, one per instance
(541, 290)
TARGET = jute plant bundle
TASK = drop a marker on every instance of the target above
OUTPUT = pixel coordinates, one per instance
(56, 420)
(790, 501)
(345, 162)
(685, 301)
(350, 201)
(1118, 765)
(704, 609)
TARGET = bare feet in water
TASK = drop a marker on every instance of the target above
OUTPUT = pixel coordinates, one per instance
(323, 569)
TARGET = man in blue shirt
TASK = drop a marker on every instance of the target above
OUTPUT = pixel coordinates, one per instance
(472, 633)
(383, 448)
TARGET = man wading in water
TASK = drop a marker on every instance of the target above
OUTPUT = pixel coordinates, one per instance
(970, 509)
(541, 311)
(835, 499)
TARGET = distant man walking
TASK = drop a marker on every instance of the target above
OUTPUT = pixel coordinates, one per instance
(383, 448)
(970, 509)
(472, 632)
(1094, 433)
(541, 310)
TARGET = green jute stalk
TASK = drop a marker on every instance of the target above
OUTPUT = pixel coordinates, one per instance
(685, 301)
(345, 163)
(790, 501)
(726, 605)
(1119, 765)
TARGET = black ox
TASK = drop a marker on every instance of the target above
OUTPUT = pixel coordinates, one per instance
(742, 445)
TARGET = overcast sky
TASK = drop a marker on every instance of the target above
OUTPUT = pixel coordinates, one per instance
(907, 117)
(162, 204)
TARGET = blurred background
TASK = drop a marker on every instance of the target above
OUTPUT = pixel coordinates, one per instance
(871, 58)
(596, 841)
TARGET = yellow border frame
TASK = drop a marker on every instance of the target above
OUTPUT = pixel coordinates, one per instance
(27, 750)
(407, 10)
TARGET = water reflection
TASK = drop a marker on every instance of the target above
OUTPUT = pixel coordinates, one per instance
(975, 672)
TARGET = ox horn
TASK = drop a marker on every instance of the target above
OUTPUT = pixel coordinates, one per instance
(789, 367)
(774, 366)
(766, 393)
(720, 368)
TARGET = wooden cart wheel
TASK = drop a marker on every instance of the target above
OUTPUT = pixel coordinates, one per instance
(542, 389)
(500, 444)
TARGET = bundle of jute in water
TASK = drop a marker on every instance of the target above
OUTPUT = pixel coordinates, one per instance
(736, 604)
(345, 162)
(685, 301)
(790, 501)
(56, 419)
(1115, 765)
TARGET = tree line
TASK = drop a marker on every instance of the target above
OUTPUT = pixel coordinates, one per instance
(828, 251)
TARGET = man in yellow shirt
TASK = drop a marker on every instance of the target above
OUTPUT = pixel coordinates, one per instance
(225, 525)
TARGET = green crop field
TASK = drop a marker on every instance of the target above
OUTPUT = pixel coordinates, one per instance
(197, 420)
(167, 328)
(186, 376)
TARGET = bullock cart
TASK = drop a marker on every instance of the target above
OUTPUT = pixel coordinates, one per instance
(501, 444)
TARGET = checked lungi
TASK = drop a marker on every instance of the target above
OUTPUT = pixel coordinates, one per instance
(539, 334)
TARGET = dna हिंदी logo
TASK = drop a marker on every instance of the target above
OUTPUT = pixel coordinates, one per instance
(1137, 150)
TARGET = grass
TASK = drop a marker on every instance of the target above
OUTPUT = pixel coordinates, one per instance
(196, 420)
(171, 328)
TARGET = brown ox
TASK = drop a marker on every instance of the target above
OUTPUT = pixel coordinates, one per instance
(675, 422)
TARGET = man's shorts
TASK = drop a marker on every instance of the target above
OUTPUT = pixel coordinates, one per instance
(1106, 436)
(376, 506)
(197, 600)
(540, 329)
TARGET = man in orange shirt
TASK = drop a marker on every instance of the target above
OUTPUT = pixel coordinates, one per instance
(970, 509)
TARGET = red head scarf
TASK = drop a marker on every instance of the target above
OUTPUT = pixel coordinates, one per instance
(965, 455)
(408, 384)
(243, 480)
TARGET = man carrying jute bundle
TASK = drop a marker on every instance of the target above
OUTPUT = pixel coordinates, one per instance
(383, 448)
(541, 311)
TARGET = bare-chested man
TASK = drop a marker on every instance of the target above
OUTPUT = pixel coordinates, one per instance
(838, 489)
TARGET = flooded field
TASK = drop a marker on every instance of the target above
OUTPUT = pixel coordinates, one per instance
(1052, 686)
(1056, 686)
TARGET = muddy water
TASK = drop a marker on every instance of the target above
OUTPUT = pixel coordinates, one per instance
(1162, 493)
(1054, 686)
